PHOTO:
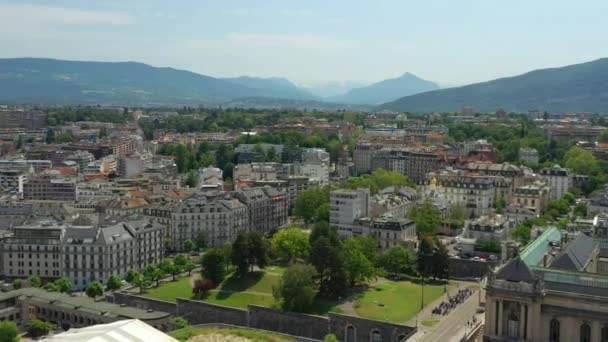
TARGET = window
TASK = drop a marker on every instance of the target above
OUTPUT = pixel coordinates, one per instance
(554, 330)
(585, 333)
(350, 334)
(376, 337)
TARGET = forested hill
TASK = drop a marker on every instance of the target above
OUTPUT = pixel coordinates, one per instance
(579, 87)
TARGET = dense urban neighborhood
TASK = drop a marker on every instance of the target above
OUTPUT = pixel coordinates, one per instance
(336, 225)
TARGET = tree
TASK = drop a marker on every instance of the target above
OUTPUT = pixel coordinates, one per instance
(227, 252)
(140, 281)
(189, 245)
(201, 286)
(581, 161)
(424, 261)
(240, 253)
(250, 248)
(37, 327)
(153, 274)
(192, 179)
(581, 210)
(63, 285)
(168, 267)
(330, 338)
(50, 136)
(18, 283)
(521, 234)
(397, 260)
(290, 244)
(35, 281)
(328, 260)
(213, 267)
(500, 204)
(457, 214)
(51, 287)
(308, 201)
(259, 250)
(180, 261)
(131, 275)
(296, 290)
(357, 265)
(9, 331)
(200, 240)
(114, 283)
(94, 289)
(441, 262)
(181, 322)
(427, 218)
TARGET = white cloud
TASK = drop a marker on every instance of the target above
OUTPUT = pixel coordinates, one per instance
(27, 18)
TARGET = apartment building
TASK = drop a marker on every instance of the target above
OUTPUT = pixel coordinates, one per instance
(50, 189)
(346, 207)
(363, 156)
(394, 231)
(533, 197)
(221, 220)
(475, 193)
(13, 179)
(528, 155)
(559, 180)
(413, 163)
(267, 207)
(81, 253)
(133, 164)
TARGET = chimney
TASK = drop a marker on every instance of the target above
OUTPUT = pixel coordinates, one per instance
(545, 259)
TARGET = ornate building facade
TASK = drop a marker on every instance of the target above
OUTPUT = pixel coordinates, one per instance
(549, 292)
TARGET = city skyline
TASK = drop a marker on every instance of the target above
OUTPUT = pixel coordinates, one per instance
(452, 44)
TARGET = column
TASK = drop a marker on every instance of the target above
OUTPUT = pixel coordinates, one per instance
(490, 312)
(522, 320)
(500, 310)
(534, 321)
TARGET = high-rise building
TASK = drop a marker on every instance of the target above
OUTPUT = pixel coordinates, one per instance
(347, 206)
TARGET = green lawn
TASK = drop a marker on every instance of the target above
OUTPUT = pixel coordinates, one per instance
(395, 301)
(171, 290)
(255, 288)
(251, 334)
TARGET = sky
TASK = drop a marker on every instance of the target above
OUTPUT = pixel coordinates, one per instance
(311, 41)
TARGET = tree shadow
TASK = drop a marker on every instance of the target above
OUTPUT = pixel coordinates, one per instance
(237, 283)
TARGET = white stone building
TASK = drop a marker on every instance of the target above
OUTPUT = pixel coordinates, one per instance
(559, 180)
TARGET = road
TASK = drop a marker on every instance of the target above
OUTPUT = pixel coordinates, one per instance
(452, 327)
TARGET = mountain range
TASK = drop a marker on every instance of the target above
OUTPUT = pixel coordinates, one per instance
(277, 87)
(578, 87)
(51, 81)
(387, 90)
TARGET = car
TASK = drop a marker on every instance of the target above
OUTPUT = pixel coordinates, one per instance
(493, 257)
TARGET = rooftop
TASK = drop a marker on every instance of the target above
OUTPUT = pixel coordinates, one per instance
(83, 303)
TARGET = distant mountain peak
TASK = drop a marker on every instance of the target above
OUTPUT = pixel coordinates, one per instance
(578, 87)
(388, 90)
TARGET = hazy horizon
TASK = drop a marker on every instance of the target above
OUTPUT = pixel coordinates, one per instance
(314, 42)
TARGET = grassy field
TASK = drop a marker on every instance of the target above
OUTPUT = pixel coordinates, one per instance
(395, 301)
(217, 333)
(392, 301)
(255, 288)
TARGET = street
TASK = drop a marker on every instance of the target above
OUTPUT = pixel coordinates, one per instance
(451, 327)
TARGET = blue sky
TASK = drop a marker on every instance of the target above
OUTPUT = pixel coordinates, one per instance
(448, 41)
